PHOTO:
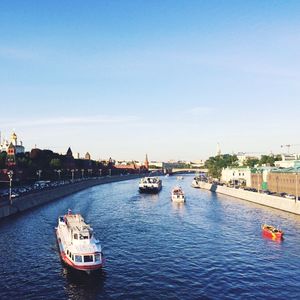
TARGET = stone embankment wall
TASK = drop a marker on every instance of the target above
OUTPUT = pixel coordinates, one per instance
(38, 198)
(284, 204)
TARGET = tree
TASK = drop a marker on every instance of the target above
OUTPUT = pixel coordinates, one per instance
(251, 162)
(55, 163)
(3, 160)
(215, 164)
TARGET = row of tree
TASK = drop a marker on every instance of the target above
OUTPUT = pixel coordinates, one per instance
(215, 164)
(48, 165)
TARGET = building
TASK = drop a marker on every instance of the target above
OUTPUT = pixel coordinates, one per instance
(259, 177)
(87, 156)
(5, 144)
(11, 156)
(285, 181)
(243, 157)
(237, 176)
(288, 161)
(146, 164)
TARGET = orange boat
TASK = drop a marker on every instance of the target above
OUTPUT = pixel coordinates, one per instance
(272, 231)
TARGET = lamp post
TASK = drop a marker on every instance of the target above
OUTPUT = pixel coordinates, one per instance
(296, 186)
(72, 171)
(100, 172)
(39, 173)
(109, 172)
(259, 172)
(82, 173)
(10, 175)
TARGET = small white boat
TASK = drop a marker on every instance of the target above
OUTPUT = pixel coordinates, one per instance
(178, 195)
(195, 182)
(150, 185)
(78, 247)
(180, 177)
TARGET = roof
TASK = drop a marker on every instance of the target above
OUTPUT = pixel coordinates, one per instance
(286, 170)
(76, 222)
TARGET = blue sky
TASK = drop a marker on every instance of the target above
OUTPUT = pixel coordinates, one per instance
(167, 78)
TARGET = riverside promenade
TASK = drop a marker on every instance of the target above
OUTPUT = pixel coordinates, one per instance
(284, 204)
(41, 197)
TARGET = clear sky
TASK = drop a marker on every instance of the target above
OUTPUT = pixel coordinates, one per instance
(167, 78)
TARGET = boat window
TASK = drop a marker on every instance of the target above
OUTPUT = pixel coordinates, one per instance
(97, 257)
(88, 258)
(76, 236)
(84, 237)
(78, 258)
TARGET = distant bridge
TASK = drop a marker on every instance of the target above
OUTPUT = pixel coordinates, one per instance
(183, 170)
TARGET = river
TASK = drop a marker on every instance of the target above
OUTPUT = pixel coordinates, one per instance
(211, 247)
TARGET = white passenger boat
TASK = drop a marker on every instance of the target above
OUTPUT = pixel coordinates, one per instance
(150, 185)
(78, 247)
(195, 182)
(178, 195)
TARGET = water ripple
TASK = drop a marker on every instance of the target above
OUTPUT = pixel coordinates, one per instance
(211, 247)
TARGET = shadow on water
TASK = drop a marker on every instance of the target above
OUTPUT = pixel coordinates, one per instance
(80, 285)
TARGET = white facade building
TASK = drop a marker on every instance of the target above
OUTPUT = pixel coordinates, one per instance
(237, 175)
(288, 161)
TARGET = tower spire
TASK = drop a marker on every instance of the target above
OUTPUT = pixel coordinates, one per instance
(146, 162)
(218, 149)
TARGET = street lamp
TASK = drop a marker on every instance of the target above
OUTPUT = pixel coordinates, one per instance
(82, 173)
(72, 171)
(10, 175)
(296, 186)
(109, 172)
(100, 172)
(58, 171)
(39, 173)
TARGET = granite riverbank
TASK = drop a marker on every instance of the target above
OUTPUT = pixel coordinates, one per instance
(43, 196)
(288, 205)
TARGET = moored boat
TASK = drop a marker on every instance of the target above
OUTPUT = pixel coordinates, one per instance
(177, 195)
(195, 182)
(150, 185)
(78, 247)
(272, 231)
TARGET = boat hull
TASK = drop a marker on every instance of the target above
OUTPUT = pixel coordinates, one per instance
(68, 262)
(269, 232)
(149, 190)
(178, 199)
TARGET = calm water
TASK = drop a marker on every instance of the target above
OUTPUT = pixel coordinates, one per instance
(209, 248)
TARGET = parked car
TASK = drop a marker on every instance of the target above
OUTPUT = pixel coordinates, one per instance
(290, 196)
(267, 192)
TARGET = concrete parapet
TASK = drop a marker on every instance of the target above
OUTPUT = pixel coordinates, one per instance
(38, 198)
(284, 204)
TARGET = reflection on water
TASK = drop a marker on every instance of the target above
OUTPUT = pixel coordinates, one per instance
(80, 285)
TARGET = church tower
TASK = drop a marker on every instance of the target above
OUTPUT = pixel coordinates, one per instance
(218, 150)
(146, 162)
(14, 139)
(11, 156)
